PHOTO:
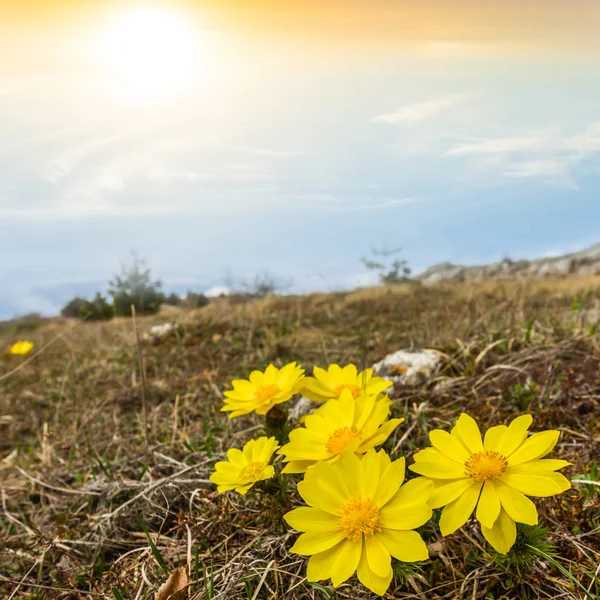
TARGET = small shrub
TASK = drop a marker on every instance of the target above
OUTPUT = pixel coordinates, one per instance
(173, 299)
(73, 308)
(196, 300)
(389, 272)
(97, 309)
(135, 286)
(25, 324)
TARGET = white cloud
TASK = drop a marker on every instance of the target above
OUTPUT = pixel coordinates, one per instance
(61, 166)
(500, 146)
(421, 111)
(217, 290)
(338, 203)
(551, 154)
(537, 168)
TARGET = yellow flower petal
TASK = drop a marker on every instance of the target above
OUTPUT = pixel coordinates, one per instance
(312, 390)
(376, 584)
(407, 546)
(381, 435)
(390, 483)
(305, 518)
(225, 487)
(542, 485)
(415, 489)
(449, 446)
(346, 561)
(445, 491)
(537, 446)
(318, 425)
(323, 487)
(378, 558)
(270, 374)
(314, 542)
(227, 468)
(336, 372)
(340, 412)
(518, 507)
(542, 465)
(350, 468)
(432, 463)
(248, 451)
(369, 474)
(257, 378)
(298, 466)
(502, 535)
(369, 414)
(515, 435)
(469, 433)
(349, 374)
(488, 507)
(493, 437)
(377, 386)
(242, 489)
(241, 386)
(397, 514)
(457, 513)
(320, 565)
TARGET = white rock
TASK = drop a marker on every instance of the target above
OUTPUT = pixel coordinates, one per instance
(160, 331)
(409, 367)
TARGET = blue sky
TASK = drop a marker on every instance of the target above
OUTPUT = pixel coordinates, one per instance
(291, 158)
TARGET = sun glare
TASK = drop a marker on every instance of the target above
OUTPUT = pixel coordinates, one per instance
(151, 54)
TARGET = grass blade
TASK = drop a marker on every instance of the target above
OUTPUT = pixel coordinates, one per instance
(155, 551)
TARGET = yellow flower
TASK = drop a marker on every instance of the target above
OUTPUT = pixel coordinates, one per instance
(359, 515)
(495, 475)
(352, 424)
(21, 348)
(263, 390)
(331, 383)
(244, 468)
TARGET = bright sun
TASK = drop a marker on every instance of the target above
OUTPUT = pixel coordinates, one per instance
(151, 54)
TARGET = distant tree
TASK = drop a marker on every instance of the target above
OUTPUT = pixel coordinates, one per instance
(135, 286)
(173, 299)
(97, 309)
(73, 308)
(265, 284)
(390, 271)
(196, 300)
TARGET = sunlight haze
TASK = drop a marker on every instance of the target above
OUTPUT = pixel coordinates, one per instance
(290, 137)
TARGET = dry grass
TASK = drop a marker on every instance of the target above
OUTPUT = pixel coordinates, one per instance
(78, 487)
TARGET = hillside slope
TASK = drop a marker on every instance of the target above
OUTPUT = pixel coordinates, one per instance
(79, 486)
(583, 263)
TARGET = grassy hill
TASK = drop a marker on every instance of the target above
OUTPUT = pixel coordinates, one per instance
(88, 511)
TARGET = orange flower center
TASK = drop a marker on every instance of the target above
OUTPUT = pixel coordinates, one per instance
(264, 392)
(485, 465)
(339, 439)
(359, 516)
(354, 389)
(251, 472)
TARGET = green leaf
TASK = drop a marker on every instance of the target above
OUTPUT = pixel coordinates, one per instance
(155, 551)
